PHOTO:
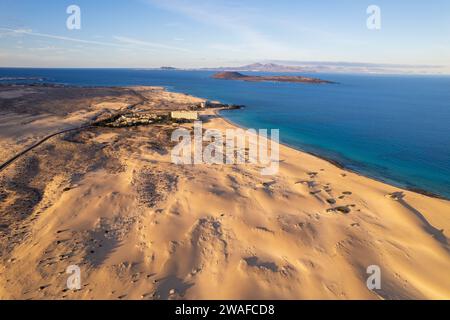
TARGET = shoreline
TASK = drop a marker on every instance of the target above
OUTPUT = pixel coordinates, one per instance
(217, 113)
(342, 166)
(143, 227)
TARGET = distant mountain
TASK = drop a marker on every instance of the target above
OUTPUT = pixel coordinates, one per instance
(279, 66)
(262, 67)
(332, 67)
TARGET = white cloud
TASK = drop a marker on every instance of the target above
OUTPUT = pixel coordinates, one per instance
(29, 32)
(140, 44)
(154, 45)
(231, 17)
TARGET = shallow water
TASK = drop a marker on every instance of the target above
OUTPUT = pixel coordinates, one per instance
(393, 128)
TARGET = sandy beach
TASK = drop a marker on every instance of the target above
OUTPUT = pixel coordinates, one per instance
(111, 201)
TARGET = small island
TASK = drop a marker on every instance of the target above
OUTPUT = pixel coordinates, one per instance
(239, 76)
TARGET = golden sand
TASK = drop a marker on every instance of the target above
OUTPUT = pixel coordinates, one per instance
(141, 227)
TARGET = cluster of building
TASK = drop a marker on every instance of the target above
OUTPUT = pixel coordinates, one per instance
(145, 118)
(134, 119)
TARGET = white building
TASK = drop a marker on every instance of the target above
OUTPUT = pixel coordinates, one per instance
(184, 115)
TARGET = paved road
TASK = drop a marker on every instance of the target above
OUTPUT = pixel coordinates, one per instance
(23, 152)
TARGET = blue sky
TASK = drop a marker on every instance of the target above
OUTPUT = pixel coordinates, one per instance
(202, 33)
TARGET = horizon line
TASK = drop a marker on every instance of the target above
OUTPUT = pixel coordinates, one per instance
(205, 69)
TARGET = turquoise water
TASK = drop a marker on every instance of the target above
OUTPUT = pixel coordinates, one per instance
(393, 128)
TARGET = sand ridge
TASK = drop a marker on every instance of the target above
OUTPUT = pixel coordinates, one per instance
(140, 227)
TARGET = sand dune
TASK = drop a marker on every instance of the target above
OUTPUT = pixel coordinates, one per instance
(140, 227)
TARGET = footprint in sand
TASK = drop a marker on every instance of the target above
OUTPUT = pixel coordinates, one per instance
(397, 196)
(42, 288)
(268, 184)
(263, 229)
(312, 175)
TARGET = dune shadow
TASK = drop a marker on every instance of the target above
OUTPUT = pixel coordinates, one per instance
(100, 248)
(255, 262)
(436, 233)
(20, 188)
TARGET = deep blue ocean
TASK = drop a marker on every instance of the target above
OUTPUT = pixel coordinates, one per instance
(392, 128)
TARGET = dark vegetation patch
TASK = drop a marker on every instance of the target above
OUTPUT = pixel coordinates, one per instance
(154, 186)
